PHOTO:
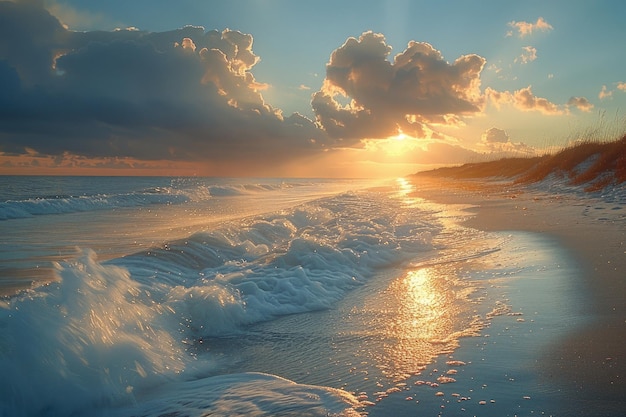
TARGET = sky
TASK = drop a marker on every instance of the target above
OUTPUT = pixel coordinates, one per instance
(352, 88)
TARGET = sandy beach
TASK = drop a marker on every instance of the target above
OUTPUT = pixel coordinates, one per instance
(589, 362)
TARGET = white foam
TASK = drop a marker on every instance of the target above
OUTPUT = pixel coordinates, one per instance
(108, 331)
(247, 394)
(84, 341)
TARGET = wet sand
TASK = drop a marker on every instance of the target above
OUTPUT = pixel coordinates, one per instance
(589, 362)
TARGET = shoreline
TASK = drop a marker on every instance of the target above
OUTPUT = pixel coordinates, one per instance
(589, 361)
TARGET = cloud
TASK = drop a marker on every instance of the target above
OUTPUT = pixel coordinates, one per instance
(29, 39)
(605, 93)
(495, 135)
(529, 54)
(75, 19)
(131, 98)
(382, 96)
(581, 103)
(498, 144)
(524, 99)
(446, 153)
(527, 28)
(186, 95)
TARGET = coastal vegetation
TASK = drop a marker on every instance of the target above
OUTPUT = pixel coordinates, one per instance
(590, 164)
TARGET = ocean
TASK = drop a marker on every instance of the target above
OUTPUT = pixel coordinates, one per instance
(134, 296)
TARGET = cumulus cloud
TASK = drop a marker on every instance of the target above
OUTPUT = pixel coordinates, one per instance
(495, 135)
(605, 93)
(524, 99)
(529, 54)
(581, 103)
(527, 28)
(131, 98)
(382, 96)
(497, 142)
(186, 94)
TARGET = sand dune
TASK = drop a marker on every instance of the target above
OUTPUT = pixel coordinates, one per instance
(591, 165)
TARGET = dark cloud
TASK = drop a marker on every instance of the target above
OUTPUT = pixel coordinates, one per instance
(189, 95)
(495, 135)
(29, 39)
(498, 142)
(185, 94)
(418, 87)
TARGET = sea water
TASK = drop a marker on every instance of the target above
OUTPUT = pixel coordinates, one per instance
(204, 296)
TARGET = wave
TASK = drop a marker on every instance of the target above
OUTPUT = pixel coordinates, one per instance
(290, 262)
(255, 393)
(179, 192)
(73, 204)
(107, 331)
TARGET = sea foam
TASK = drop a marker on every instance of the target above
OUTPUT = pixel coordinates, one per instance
(109, 333)
(180, 191)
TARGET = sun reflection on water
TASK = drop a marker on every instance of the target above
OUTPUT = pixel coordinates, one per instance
(425, 313)
(406, 193)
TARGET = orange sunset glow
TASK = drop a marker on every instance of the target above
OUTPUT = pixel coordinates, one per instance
(105, 90)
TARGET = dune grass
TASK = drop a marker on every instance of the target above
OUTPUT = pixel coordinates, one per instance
(592, 165)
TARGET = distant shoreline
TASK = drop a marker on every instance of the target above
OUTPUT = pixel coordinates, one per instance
(593, 361)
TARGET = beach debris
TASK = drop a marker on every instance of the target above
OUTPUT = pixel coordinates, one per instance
(526, 397)
(482, 402)
(439, 394)
(455, 363)
(427, 383)
(445, 380)
(380, 395)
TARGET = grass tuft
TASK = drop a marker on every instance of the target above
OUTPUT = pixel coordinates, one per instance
(594, 165)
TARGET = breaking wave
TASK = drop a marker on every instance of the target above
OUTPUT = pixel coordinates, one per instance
(108, 334)
(180, 191)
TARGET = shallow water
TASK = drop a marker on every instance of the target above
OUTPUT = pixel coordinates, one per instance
(270, 297)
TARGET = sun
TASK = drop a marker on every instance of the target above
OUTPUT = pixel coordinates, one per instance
(400, 136)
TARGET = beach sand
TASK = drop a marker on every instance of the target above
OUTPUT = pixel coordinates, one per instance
(589, 362)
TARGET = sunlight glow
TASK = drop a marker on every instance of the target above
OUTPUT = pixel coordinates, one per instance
(423, 315)
(400, 136)
(406, 193)
(396, 145)
(422, 322)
